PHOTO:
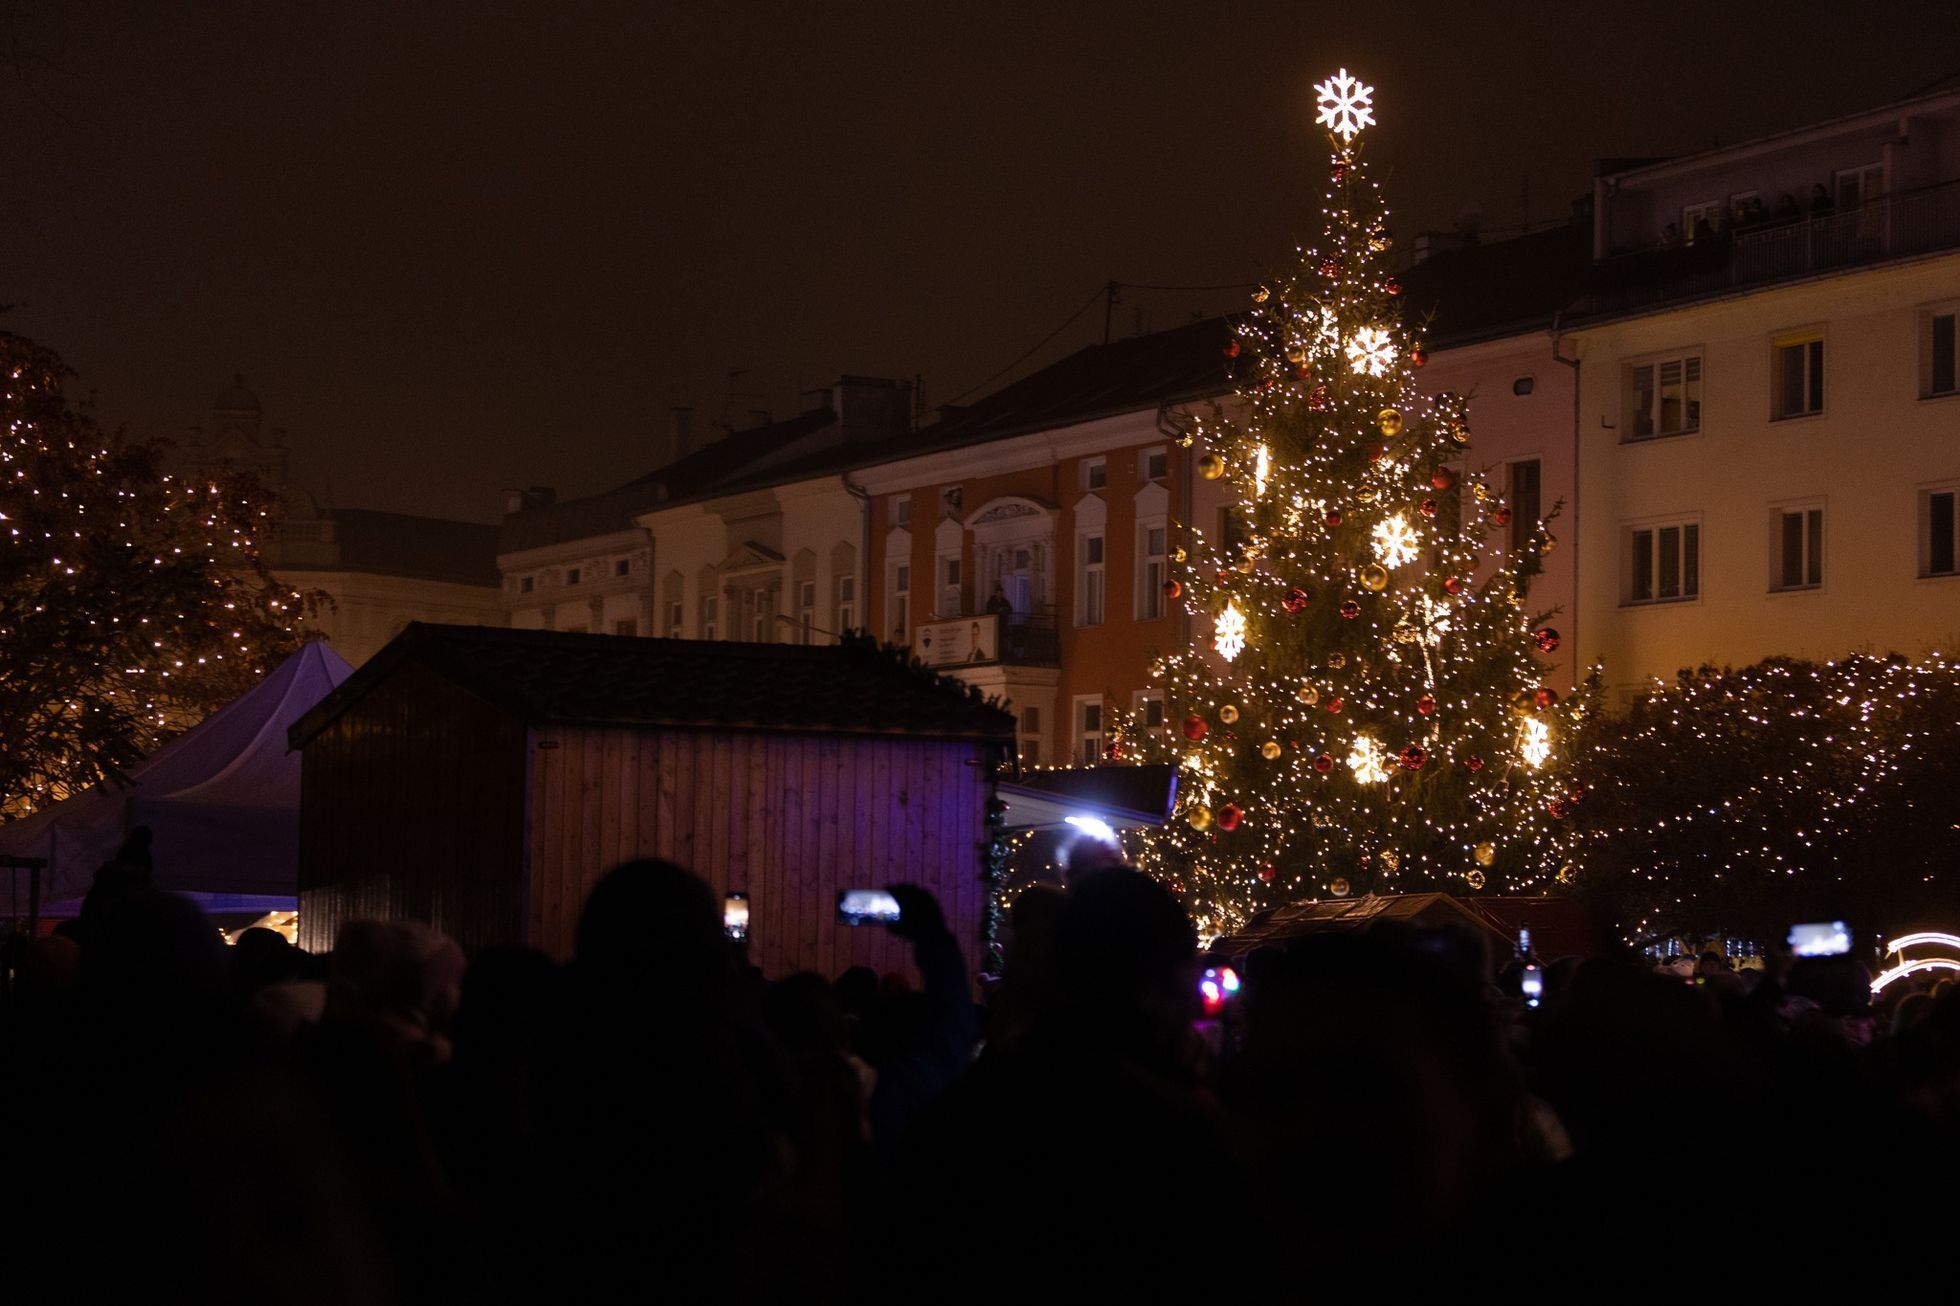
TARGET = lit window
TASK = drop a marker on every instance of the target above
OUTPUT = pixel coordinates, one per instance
(1797, 376)
(1663, 397)
(1663, 563)
(1799, 548)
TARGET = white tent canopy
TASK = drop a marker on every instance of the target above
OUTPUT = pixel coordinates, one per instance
(222, 800)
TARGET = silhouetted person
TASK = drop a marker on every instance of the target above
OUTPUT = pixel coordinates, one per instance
(1821, 205)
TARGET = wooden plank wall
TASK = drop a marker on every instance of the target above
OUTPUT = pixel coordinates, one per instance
(412, 808)
(790, 819)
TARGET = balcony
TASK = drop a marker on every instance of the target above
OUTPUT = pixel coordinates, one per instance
(1888, 227)
(989, 639)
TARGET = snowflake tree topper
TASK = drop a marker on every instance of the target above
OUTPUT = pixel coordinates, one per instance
(1346, 105)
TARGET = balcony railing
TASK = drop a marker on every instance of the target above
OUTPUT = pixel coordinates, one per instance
(989, 639)
(1887, 227)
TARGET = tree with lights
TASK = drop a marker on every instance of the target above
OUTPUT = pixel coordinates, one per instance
(1735, 802)
(132, 603)
(1369, 713)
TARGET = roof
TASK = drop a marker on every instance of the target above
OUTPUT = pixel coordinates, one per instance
(1559, 926)
(1498, 289)
(402, 544)
(553, 677)
(1124, 796)
(720, 465)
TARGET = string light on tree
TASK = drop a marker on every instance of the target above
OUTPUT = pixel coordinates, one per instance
(1358, 607)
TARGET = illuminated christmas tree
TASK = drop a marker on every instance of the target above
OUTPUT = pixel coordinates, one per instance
(1367, 710)
(132, 603)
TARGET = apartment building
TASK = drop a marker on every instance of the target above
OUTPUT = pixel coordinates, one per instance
(1769, 434)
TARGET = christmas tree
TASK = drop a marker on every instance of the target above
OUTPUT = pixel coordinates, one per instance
(1368, 712)
(132, 603)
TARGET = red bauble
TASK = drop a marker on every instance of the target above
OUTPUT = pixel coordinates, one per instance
(1319, 400)
(1323, 763)
(1392, 286)
(1224, 577)
(1232, 349)
(1426, 704)
(1295, 601)
(1558, 808)
(1414, 756)
(1173, 588)
(1333, 519)
(1545, 696)
(1575, 793)
(1375, 455)
(1418, 356)
(1195, 727)
(1330, 267)
(1501, 517)
(1266, 873)
(1114, 752)
(1302, 372)
(1335, 703)
(1427, 507)
(1474, 762)
(1452, 585)
(1229, 817)
(1443, 479)
(1547, 639)
(1350, 609)
(1339, 172)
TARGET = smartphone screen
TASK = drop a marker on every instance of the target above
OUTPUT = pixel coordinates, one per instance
(735, 916)
(866, 907)
(1820, 939)
(1532, 984)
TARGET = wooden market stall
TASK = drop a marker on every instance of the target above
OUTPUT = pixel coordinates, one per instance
(482, 780)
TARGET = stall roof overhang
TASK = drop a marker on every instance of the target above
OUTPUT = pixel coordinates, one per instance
(1122, 797)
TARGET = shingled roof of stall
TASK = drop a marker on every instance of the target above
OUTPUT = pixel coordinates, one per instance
(553, 677)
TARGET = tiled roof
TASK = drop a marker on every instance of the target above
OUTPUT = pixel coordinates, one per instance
(544, 677)
(402, 544)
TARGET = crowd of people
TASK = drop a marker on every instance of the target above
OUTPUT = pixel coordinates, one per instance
(654, 1120)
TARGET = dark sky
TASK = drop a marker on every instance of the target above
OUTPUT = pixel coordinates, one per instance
(460, 246)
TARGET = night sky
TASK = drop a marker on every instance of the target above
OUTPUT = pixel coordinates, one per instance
(460, 246)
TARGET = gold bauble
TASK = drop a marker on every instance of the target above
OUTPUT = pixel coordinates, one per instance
(1261, 295)
(1270, 750)
(1337, 660)
(1405, 634)
(1211, 467)
(1307, 694)
(1374, 578)
(1551, 542)
(1339, 887)
(1228, 714)
(1295, 355)
(1566, 874)
(1460, 435)
(1481, 490)
(1199, 817)
(1391, 859)
(1485, 853)
(1180, 555)
(1391, 422)
(1247, 563)
(1475, 879)
(1184, 442)
(1366, 494)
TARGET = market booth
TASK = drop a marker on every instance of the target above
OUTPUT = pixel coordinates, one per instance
(482, 780)
(221, 800)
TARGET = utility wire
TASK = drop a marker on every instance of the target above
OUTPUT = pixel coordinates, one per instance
(1087, 304)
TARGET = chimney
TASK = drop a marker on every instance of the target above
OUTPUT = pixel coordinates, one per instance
(873, 408)
(683, 433)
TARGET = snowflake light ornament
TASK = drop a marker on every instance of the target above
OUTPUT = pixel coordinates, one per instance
(1536, 745)
(1346, 105)
(1395, 542)
(1229, 635)
(1435, 621)
(1366, 759)
(1371, 352)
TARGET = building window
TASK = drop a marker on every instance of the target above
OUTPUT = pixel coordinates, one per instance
(1152, 571)
(901, 604)
(1799, 548)
(1940, 369)
(1939, 536)
(626, 626)
(1663, 563)
(1147, 705)
(624, 567)
(1527, 503)
(1089, 606)
(1031, 733)
(525, 584)
(806, 609)
(1095, 473)
(1156, 464)
(1088, 731)
(952, 578)
(1663, 397)
(1859, 186)
(572, 575)
(676, 618)
(1701, 220)
(847, 593)
(710, 615)
(1797, 376)
(901, 510)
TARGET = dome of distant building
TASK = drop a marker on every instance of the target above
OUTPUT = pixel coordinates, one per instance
(237, 399)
